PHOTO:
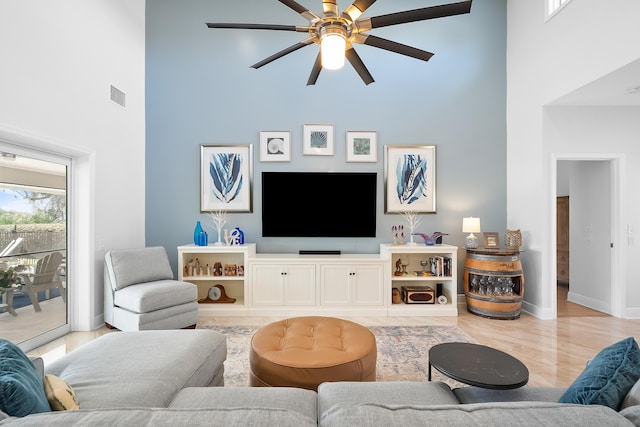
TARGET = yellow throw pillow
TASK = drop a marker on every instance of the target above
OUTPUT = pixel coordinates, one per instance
(59, 393)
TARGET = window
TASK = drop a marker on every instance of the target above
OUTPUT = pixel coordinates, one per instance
(554, 6)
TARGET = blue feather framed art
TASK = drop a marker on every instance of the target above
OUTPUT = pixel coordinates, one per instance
(226, 177)
(410, 179)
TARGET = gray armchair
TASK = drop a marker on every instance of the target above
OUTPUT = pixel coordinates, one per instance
(140, 292)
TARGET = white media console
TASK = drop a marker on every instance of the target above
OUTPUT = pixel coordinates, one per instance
(264, 284)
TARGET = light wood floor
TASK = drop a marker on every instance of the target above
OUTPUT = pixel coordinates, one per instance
(555, 351)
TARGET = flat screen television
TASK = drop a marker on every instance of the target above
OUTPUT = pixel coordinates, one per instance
(319, 204)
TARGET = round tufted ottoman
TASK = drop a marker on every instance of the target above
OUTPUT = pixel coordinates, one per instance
(307, 351)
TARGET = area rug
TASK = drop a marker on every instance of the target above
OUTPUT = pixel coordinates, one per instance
(403, 351)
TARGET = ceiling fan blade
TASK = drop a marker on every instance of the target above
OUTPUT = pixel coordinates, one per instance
(422, 14)
(358, 65)
(392, 46)
(330, 7)
(306, 13)
(315, 71)
(283, 52)
(356, 9)
(297, 28)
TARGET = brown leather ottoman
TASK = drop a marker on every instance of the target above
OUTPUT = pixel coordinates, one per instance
(307, 351)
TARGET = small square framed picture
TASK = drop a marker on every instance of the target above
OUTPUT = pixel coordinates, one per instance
(491, 240)
(362, 146)
(317, 140)
(275, 146)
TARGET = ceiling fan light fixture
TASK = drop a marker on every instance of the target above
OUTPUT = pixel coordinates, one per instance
(333, 42)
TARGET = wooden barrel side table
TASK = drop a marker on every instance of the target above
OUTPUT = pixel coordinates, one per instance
(493, 283)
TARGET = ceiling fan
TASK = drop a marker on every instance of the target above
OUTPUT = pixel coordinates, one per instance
(336, 33)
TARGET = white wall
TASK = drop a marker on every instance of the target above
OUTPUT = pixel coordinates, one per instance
(58, 62)
(544, 62)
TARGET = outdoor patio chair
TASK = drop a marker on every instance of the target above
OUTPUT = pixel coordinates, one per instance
(44, 278)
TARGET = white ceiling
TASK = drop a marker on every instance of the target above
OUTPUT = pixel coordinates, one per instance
(611, 90)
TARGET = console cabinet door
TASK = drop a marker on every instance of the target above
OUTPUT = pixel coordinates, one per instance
(267, 284)
(367, 285)
(299, 285)
(334, 284)
(350, 284)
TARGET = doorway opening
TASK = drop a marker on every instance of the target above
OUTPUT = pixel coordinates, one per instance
(588, 277)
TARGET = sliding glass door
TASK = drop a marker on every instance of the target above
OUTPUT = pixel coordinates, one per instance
(33, 244)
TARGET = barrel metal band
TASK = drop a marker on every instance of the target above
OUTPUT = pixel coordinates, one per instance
(503, 273)
(482, 257)
(510, 299)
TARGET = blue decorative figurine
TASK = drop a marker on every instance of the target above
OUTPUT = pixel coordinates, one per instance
(240, 236)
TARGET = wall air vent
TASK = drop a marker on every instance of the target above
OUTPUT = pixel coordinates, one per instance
(117, 96)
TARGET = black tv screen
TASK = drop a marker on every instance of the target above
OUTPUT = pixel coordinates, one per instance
(319, 204)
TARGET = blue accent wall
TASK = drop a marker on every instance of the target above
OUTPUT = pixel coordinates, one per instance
(200, 89)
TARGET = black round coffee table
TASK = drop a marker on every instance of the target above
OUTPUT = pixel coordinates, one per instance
(478, 365)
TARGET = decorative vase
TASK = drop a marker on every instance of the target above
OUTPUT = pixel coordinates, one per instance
(203, 239)
(196, 233)
(513, 240)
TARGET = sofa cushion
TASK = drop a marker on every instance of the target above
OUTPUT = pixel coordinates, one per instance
(152, 296)
(512, 414)
(632, 413)
(470, 394)
(131, 266)
(21, 388)
(165, 417)
(141, 368)
(298, 400)
(345, 393)
(60, 394)
(608, 377)
(633, 397)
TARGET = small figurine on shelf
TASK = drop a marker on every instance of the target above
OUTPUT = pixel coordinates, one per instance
(217, 268)
(191, 266)
(395, 296)
(230, 269)
(398, 271)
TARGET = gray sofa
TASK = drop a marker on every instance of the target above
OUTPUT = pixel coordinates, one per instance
(164, 378)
